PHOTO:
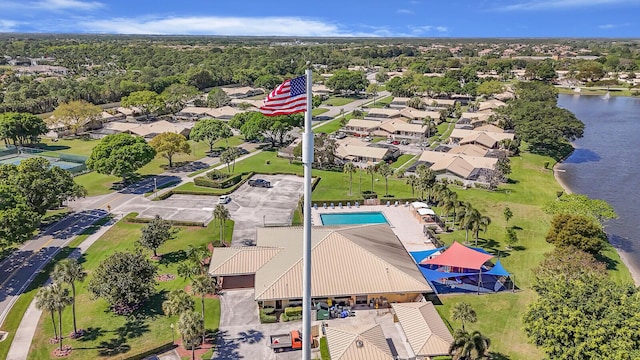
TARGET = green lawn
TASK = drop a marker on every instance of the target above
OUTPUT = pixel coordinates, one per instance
(318, 111)
(99, 184)
(13, 319)
(402, 160)
(113, 336)
(380, 103)
(338, 101)
(331, 126)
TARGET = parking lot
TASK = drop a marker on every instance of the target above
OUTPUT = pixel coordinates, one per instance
(250, 207)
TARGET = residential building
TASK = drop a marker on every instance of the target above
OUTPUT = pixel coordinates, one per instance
(459, 166)
(382, 114)
(487, 139)
(358, 342)
(242, 92)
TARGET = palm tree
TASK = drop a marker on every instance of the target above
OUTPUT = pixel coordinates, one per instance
(203, 285)
(221, 214)
(69, 271)
(385, 170)
(467, 346)
(190, 326)
(508, 214)
(426, 179)
(235, 153)
(463, 312)
(468, 216)
(371, 169)
(412, 181)
(197, 254)
(481, 223)
(44, 302)
(178, 301)
(349, 168)
(60, 299)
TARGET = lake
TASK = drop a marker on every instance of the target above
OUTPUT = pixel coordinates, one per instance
(606, 164)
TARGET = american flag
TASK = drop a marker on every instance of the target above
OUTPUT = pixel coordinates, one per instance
(288, 98)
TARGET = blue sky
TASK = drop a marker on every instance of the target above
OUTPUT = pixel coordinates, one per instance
(416, 18)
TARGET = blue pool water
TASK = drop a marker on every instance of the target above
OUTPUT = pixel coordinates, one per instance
(353, 218)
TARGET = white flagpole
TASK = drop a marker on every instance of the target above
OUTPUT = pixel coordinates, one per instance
(307, 160)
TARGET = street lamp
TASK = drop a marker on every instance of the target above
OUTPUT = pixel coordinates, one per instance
(173, 335)
(155, 188)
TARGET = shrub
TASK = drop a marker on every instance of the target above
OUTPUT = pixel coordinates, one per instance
(324, 349)
(267, 318)
(219, 184)
(268, 310)
(134, 219)
(293, 311)
(217, 175)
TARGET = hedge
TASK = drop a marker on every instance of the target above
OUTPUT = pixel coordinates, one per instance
(267, 318)
(133, 218)
(206, 192)
(293, 311)
(324, 349)
(218, 184)
(156, 350)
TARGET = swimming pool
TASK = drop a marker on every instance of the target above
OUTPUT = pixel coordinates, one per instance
(353, 218)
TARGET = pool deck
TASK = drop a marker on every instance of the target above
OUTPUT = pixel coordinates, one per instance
(401, 220)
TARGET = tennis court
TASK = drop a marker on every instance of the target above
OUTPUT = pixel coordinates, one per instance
(16, 159)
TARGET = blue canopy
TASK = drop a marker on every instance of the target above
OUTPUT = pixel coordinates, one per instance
(498, 270)
(435, 275)
(418, 256)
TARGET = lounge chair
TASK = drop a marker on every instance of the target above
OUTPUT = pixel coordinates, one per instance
(324, 205)
(348, 204)
(406, 204)
(340, 205)
(396, 204)
(357, 204)
(332, 206)
(315, 206)
(388, 203)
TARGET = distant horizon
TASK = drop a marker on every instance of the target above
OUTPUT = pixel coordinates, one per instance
(328, 19)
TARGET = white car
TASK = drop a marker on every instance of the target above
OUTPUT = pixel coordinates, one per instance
(224, 199)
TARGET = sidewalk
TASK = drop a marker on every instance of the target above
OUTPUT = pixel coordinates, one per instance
(19, 349)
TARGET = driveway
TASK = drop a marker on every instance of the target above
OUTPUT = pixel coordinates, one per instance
(254, 207)
(241, 336)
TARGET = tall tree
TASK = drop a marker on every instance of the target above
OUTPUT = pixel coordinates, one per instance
(576, 230)
(45, 302)
(217, 98)
(349, 168)
(177, 95)
(60, 299)
(69, 271)
(347, 81)
(203, 285)
(467, 346)
(42, 186)
(371, 169)
(18, 220)
(120, 155)
(191, 326)
(385, 170)
(210, 131)
(149, 102)
(221, 213)
(156, 233)
(169, 144)
(412, 181)
(426, 179)
(21, 127)
(178, 302)
(76, 114)
(508, 214)
(125, 280)
(463, 312)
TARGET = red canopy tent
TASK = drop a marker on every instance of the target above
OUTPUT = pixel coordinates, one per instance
(459, 256)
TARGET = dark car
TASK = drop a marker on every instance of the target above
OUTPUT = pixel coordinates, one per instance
(260, 183)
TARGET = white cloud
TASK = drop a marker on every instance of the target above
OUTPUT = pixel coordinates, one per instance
(405, 11)
(217, 25)
(418, 30)
(559, 4)
(8, 25)
(52, 5)
(607, 26)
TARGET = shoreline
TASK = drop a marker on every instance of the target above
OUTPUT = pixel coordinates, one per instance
(635, 275)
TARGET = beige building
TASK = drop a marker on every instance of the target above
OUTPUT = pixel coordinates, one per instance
(194, 113)
(358, 342)
(383, 114)
(150, 130)
(490, 105)
(475, 168)
(362, 127)
(400, 129)
(242, 92)
(415, 115)
(426, 333)
(356, 264)
(487, 139)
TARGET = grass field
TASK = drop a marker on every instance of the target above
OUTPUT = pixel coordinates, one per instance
(339, 101)
(380, 103)
(318, 111)
(99, 184)
(13, 319)
(111, 336)
(589, 91)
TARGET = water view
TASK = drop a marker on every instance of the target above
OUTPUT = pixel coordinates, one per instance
(605, 164)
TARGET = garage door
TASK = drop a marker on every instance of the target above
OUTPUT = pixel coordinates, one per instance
(238, 282)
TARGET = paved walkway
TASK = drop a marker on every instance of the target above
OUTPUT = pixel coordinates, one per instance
(335, 110)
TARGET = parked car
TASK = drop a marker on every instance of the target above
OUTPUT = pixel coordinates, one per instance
(404, 142)
(341, 135)
(284, 342)
(395, 142)
(224, 199)
(389, 141)
(260, 183)
(368, 139)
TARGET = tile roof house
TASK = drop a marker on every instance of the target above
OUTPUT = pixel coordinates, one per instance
(426, 333)
(462, 166)
(358, 263)
(382, 114)
(400, 129)
(358, 342)
(487, 139)
(150, 130)
(242, 92)
(194, 112)
(490, 105)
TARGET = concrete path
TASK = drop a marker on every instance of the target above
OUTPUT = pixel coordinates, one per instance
(335, 110)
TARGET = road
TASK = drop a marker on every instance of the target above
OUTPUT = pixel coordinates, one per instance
(335, 110)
